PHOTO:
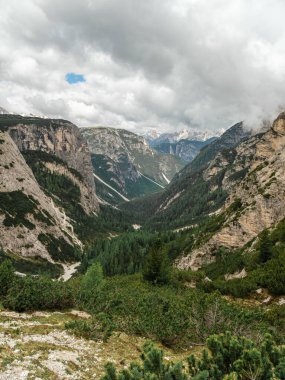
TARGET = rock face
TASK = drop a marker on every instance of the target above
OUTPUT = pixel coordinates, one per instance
(37, 156)
(185, 149)
(62, 139)
(19, 187)
(254, 178)
(127, 163)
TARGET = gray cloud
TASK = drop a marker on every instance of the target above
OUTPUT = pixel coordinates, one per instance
(150, 63)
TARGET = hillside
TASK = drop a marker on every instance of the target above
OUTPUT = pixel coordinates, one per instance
(190, 197)
(127, 164)
(254, 181)
(46, 182)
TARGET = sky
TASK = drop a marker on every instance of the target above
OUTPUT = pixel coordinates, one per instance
(144, 64)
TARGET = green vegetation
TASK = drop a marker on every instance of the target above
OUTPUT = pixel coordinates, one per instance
(225, 357)
(91, 284)
(59, 248)
(124, 174)
(66, 194)
(96, 328)
(156, 266)
(32, 293)
(125, 254)
(32, 265)
(16, 205)
(265, 267)
(173, 314)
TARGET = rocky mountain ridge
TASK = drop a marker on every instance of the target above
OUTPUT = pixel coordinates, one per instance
(189, 197)
(127, 163)
(41, 161)
(191, 134)
(254, 179)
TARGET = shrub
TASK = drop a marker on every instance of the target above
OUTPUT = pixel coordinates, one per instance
(99, 327)
(7, 277)
(226, 357)
(91, 284)
(30, 293)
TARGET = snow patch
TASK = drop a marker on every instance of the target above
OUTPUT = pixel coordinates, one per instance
(151, 180)
(166, 179)
(110, 187)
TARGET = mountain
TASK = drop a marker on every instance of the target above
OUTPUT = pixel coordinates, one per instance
(185, 149)
(155, 138)
(46, 188)
(254, 181)
(185, 143)
(189, 198)
(125, 166)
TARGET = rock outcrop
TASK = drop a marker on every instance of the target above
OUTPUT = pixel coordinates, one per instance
(25, 210)
(63, 139)
(37, 156)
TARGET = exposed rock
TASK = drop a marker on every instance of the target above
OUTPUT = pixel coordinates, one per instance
(281, 301)
(236, 275)
(267, 300)
(256, 178)
(125, 161)
(62, 139)
(15, 175)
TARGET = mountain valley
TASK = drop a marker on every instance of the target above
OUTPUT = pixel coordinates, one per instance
(151, 247)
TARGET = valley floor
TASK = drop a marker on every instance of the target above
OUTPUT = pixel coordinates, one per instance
(36, 347)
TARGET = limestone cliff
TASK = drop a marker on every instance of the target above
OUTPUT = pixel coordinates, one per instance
(46, 187)
(254, 178)
(26, 213)
(60, 138)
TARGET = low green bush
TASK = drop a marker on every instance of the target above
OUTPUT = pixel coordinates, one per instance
(38, 293)
(225, 357)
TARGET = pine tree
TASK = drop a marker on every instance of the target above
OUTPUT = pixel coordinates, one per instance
(7, 277)
(265, 247)
(157, 267)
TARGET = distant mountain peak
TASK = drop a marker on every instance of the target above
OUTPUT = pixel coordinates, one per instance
(154, 137)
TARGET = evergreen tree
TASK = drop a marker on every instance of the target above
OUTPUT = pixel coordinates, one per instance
(7, 277)
(157, 267)
(265, 247)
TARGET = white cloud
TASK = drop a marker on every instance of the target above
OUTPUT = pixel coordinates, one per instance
(146, 63)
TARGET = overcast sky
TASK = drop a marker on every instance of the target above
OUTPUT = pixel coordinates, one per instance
(142, 64)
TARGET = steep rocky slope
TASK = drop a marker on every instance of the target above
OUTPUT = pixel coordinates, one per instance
(190, 197)
(253, 177)
(127, 163)
(57, 137)
(45, 175)
(26, 212)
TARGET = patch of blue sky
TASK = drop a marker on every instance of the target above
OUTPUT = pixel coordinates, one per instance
(73, 78)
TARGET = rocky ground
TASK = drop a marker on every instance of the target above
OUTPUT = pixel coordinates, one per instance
(36, 347)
